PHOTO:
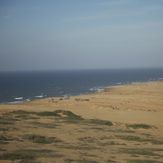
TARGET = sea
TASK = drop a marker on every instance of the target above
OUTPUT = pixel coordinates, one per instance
(17, 87)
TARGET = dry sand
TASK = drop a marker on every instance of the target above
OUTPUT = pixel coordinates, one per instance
(120, 124)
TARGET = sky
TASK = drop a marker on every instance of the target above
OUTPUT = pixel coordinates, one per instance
(80, 34)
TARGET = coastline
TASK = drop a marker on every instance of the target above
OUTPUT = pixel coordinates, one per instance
(112, 98)
(21, 100)
(106, 124)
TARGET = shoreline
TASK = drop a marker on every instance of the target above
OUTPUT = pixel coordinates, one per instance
(144, 97)
(94, 90)
(121, 123)
(107, 93)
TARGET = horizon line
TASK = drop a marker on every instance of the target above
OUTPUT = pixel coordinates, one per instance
(77, 69)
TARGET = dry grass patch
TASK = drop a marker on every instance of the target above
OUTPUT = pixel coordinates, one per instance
(139, 126)
(142, 151)
(5, 139)
(132, 138)
(80, 161)
(143, 161)
(28, 154)
(41, 139)
(100, 122)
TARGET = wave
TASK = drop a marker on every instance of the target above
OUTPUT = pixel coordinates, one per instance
(15, 102)
(40, 96)
(27, 100)
(18, 98)
(98, 89)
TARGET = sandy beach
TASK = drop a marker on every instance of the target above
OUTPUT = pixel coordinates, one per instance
(122, 123)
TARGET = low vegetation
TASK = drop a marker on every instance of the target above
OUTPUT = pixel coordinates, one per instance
(47, 113)
(4, 139)
(140, 139)
(65, 115)
(7, 120)
(143, 161)
(56, 113)
(124, 140)
(100, 122)
(20, 112)
(132, 138)
(68, 115)
(139, 126)
(4, 129)
(88, 139)
(80, 161)
(25, 154)
(41, 139)
(141, 151)
(157, 142)
(111, 161)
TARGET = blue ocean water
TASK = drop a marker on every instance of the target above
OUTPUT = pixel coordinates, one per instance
(20, 86)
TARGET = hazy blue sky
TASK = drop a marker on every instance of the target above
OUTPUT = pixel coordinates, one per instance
(80, 34)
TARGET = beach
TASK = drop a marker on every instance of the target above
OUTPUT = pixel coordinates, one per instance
(122, 123)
